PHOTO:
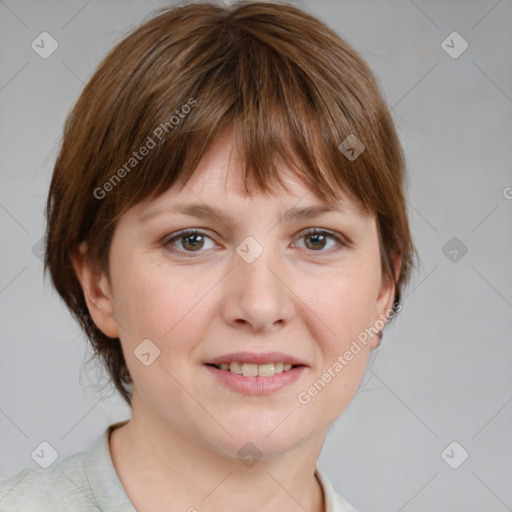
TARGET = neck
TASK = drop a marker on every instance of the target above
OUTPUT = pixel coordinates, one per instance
(164, 469)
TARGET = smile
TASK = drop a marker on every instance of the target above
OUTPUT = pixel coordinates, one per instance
(250, 383)
(255, 370)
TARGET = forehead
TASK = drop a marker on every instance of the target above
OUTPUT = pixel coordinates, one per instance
(219, 177)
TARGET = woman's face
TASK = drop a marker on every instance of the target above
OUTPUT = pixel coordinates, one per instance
(257, 280)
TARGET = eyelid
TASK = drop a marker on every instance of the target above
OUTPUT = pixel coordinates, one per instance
(340, 239)
(167, 240)
(316, 231)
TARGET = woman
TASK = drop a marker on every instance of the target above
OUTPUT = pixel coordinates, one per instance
(226, 220)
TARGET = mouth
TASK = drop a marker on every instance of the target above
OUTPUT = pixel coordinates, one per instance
(255, 370)
(254, 364)
(255, 373)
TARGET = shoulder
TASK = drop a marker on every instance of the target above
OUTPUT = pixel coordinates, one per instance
(85, 481)
(62, 487)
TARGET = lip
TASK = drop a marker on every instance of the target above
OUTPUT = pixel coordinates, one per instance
(256, 385)
(256, 358)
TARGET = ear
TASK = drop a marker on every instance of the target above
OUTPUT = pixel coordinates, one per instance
(386, 296)
(97, 292)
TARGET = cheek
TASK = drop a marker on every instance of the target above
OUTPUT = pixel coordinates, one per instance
(150, 298)
(343, 308)
(153, 304)
(340, 306)
(166, 306)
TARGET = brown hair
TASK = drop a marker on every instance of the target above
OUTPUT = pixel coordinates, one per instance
(294, 91)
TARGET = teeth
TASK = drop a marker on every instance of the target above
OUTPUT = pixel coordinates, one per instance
(249, 370)
(253, 370)
(266, 370)
(235, 368)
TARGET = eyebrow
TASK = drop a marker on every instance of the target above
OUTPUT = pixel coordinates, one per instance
(202, 211)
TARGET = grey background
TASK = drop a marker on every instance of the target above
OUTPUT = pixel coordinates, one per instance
(443, 371)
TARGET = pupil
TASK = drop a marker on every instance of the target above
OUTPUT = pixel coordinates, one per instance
(316, 239)
(196, 243)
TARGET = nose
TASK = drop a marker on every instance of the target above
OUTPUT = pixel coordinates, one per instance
(257, 297)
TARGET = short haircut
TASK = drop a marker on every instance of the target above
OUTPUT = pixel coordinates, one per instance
(291, 87)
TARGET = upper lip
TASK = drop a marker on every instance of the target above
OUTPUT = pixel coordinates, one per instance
(256, 358)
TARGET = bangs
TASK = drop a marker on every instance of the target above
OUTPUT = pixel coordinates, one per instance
(289, 110)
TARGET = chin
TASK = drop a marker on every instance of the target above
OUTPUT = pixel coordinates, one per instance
(271, 436)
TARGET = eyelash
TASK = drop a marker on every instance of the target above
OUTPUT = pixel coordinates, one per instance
(169, 240)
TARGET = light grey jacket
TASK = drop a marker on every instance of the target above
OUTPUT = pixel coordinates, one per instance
(87, 482)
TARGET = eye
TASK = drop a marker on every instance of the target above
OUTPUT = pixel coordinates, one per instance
(189, 240)
(318, 239)
(194, 240)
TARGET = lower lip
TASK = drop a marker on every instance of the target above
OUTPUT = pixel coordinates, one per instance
(257, 385)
